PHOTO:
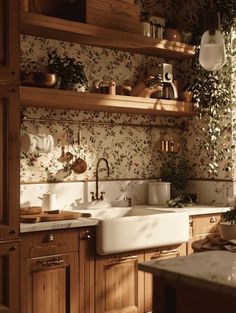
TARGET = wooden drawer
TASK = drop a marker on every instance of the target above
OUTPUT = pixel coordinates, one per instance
(205, 224)
(48, 243)
(165, 252)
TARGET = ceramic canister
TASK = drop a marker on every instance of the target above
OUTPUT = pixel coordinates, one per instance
(49, 201)
(158, 193)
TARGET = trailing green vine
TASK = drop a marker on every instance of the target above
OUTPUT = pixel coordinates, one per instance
(212, 91)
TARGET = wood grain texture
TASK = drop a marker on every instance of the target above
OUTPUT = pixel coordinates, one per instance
(54, 98)
(69, 31)
(120, 15)
(47, 287)
(10, 172)
(86, 270)
(9, 41)
(37, 244)
(118, 284)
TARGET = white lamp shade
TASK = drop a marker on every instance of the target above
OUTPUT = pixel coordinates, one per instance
(212, 51)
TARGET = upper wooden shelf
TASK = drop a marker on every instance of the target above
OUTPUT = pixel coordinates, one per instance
(69, 31)
(65, 99)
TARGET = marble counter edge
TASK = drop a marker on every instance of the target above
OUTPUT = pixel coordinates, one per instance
(176, 276)
(64, 224)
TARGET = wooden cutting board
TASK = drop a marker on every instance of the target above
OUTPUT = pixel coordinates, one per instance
(45, 217)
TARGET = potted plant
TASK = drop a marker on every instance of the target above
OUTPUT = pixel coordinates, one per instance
(70, 72)
(227, 227)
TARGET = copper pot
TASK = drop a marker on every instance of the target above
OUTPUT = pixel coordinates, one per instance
(38, 79)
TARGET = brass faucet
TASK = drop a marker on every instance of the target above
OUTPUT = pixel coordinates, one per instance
(101, 196)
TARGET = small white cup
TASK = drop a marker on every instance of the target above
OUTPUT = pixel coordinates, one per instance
(49, 202)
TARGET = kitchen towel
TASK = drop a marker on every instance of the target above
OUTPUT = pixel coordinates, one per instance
(40, 143)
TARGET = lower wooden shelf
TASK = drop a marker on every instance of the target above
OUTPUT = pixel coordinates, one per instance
(65, 99)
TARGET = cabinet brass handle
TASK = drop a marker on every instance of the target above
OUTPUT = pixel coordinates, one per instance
(122, 260)
(86, 235)
(52, 262)
(213, 219)
(48, 238)
(165, 253)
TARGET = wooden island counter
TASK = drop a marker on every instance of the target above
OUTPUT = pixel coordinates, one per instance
(203, 282)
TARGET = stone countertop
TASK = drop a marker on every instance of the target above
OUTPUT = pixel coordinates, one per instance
(212, 270)
(194, 210)
(80, 222)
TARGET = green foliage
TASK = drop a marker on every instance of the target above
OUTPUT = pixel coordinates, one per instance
(176, 171)
(229, 216)
(212, 91)
(180, 202)
(67, 69)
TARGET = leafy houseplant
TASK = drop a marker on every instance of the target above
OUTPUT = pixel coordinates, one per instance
(176, 171)
(229, 216)
(212, 91)
(70, 72)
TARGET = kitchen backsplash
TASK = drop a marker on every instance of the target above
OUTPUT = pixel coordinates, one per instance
(76, 195)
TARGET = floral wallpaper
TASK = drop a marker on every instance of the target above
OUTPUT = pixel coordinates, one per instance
(132, 151)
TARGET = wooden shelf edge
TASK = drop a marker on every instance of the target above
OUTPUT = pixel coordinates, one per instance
(65, 99)
(82, 33)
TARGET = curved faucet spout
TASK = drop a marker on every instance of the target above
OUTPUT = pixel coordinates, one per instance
(97, 196)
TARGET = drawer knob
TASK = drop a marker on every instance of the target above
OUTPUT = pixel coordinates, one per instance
(48, 238)
(213, 219)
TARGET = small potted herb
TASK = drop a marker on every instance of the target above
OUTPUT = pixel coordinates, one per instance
(227, 227)
(70, 72)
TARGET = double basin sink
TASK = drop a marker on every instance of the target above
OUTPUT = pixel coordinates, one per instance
(121, 229)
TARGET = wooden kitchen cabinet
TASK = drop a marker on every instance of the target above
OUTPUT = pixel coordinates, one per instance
(9, 41)
(160, 254)
(118, 283)
(49, 282)
(9, 277)
(86, 270)
(201, 226)
(9, 161)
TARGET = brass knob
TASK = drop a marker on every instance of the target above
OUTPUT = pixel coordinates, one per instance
(48, 238)
(87, 235)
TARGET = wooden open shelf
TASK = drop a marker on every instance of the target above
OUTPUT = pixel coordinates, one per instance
(65, 99)
(82, 33)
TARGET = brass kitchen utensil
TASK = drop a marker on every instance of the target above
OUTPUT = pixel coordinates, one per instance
(65, 157)
(79, 166)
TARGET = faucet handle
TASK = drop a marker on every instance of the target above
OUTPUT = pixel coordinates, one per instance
(102, 193)
(92, 196)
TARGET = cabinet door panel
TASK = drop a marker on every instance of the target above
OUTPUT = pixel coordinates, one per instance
(9, 277)
(43, 283)
(119, 284)
(9, 41)
(50, 284)
(9, 161)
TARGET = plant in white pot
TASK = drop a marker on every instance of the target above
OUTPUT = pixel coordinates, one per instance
(227, 227)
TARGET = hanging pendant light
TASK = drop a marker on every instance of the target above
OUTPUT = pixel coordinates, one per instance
(212, 49)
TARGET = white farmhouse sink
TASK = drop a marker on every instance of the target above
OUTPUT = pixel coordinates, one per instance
(127, 229)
